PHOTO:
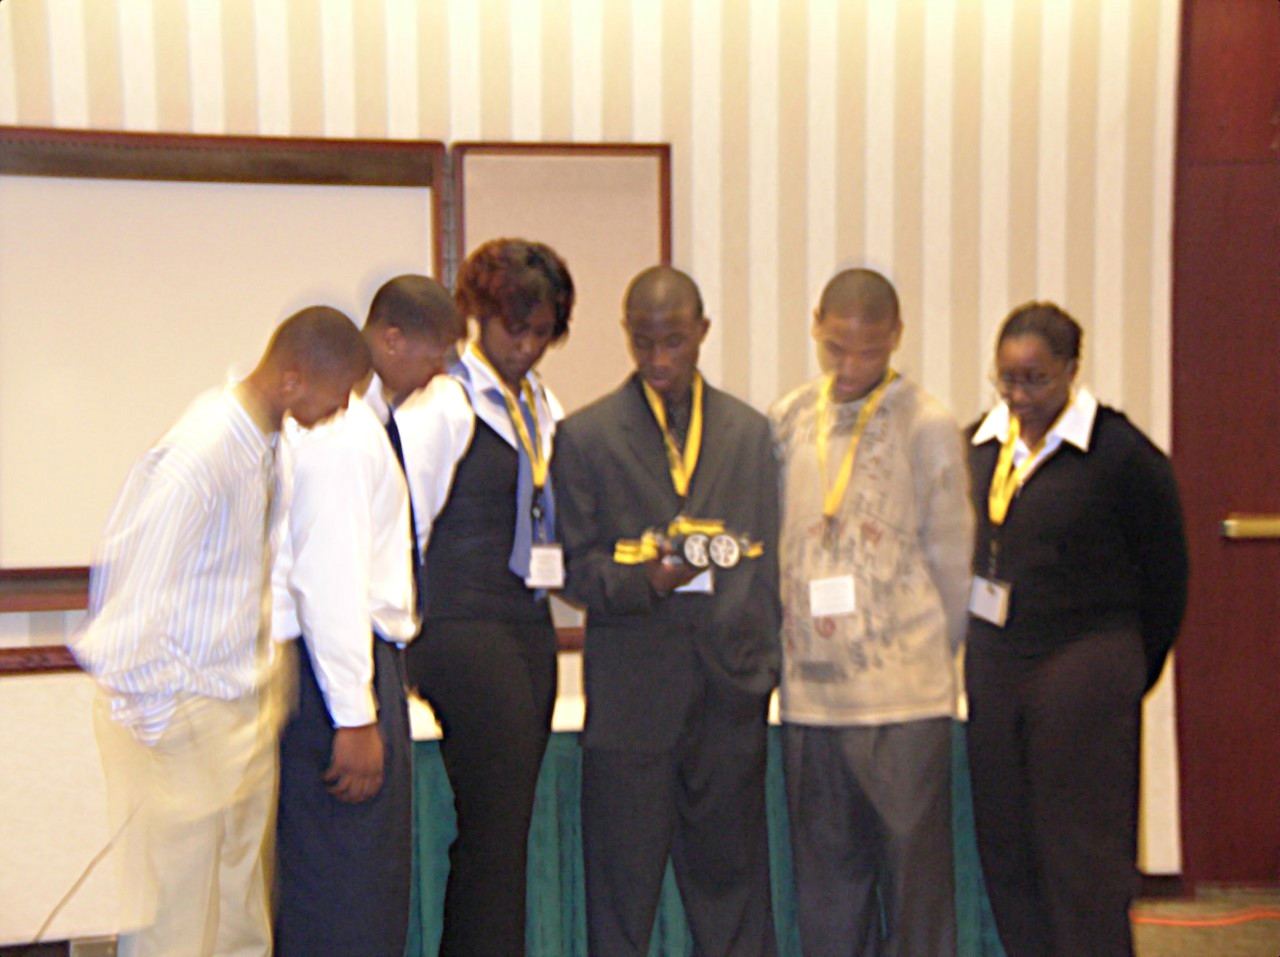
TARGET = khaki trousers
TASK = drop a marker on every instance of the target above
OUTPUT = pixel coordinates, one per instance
(199, 806)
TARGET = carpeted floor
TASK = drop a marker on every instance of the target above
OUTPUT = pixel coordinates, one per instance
(1216, 923)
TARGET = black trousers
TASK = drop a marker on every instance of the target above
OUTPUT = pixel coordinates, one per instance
(1053, 753)
(703, 804)
(870, 814)
(343, 870)
(492, 685)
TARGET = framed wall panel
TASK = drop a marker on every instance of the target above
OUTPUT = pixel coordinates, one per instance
(605, 209)
(138, 270)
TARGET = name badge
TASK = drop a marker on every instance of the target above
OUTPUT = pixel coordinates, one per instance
(829, 597)
(546, 567)
(703, 584)
(989, 600)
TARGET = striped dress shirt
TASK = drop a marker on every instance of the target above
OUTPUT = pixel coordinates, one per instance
(177, 591)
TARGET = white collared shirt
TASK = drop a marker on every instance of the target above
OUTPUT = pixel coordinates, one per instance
(178, 584)
(1074, 425)
(344, 566)
(376, 399)
(437, 424)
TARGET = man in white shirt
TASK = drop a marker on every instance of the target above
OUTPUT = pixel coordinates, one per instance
(176, 641)
(344, 584)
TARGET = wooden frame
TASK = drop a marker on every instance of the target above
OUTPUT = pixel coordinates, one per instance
(43, 589)
(32, 151)
(38, 659)
(46, 659)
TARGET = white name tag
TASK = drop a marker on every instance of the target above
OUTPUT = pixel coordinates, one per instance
(829, 597)
(546, 567)
(703, 584)
(989, 600)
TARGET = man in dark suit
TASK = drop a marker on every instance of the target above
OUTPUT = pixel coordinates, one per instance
(679, 661)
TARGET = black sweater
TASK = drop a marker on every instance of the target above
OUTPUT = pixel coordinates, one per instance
(1092, 541)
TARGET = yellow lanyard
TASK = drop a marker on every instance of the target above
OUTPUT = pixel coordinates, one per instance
(682, 466)
(1006, 480)
(537, 461)
(834, 493)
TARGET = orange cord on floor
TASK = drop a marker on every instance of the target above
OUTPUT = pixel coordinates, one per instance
(1226, 920)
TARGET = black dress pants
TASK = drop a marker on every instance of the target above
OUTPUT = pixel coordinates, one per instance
(871, 843)
(343, 870)
(1053, 753)
(492, 686)
(703, 804)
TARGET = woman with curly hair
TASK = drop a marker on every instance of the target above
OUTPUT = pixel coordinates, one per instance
(477, 448)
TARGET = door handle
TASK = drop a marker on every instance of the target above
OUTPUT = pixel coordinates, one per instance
(1237, 525)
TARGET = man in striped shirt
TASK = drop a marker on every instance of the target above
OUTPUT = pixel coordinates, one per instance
(176, 639)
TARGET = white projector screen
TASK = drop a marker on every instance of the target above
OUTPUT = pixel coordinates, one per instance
(123, 299)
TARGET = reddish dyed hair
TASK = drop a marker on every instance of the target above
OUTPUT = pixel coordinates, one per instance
(507, 278)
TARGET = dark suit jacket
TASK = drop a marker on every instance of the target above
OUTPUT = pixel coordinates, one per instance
(647, 658)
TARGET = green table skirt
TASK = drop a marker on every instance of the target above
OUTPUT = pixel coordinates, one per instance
(557, 913)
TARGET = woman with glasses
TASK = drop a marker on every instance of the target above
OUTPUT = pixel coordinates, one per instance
(1080, 573)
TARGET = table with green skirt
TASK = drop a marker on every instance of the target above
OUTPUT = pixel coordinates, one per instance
(556, 906)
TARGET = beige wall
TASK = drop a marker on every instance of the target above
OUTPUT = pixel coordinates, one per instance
(981, 152)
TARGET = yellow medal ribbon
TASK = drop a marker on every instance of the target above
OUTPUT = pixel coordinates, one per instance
(637, 551)
(538, 462)
(834, 493)
(1006, 480)
(682, 466)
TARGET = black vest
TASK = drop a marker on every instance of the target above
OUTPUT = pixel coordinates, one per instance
(466, 573)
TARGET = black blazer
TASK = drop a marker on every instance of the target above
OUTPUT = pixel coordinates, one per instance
(646, 657)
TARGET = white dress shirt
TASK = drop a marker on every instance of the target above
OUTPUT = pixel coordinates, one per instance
(177, 589)
(1074, 425)
(437, 424)
(344, 564)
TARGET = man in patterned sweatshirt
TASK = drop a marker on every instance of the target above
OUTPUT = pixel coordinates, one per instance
(876, 538)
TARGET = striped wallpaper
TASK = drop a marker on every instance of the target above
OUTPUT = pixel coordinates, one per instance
(980, 152)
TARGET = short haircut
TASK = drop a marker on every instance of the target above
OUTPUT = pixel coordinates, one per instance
(863, 292)
(322, 341)
(417, 306)
(1050, 322)
(508, 278)
(663, 286)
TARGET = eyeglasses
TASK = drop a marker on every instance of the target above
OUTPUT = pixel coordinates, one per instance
(1031, 382)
